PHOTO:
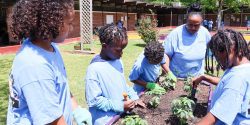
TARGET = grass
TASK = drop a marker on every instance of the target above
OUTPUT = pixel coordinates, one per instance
(76, 65)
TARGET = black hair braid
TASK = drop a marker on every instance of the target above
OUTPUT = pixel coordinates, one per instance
(154, 52)
(110, 34)
(223, 41)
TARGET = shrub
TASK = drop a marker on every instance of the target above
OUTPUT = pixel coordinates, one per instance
(147, 29)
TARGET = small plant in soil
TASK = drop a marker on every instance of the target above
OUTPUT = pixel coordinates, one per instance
(133, 120)
(182, 108)
(168, 84)
(154, 102)
(188, 85)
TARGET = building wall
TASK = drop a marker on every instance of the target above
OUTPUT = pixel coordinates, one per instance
(129, 19)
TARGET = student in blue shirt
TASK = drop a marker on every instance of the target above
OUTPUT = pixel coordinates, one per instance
(39, 90)
(146, 69)
(230, 104)
(105, 80)
(186, 46)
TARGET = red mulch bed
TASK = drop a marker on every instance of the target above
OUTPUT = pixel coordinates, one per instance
(162, 115)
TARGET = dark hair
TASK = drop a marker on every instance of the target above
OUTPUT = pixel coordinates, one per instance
(39, 18)
(154, 52)
(194, 9)
(222, 41)
(110, 33)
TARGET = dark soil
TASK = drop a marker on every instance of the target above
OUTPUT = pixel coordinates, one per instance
(162, 115)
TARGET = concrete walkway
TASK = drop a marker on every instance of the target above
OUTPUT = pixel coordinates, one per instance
(131, 35)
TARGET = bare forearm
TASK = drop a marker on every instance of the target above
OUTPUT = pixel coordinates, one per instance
(165, 66)
(140, 82)
(74, 102)
(211, 79)
(209, 119)
(59, 121)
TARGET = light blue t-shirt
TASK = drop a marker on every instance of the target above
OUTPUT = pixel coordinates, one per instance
(187, 51)
(231, 98)
(40, 84)
(105, 84)
(143, 70)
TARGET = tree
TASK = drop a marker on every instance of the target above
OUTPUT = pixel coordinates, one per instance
(221, 5)
(213, 5)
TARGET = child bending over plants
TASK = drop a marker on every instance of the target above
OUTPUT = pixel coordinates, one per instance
(105, 80)
(231, 99)
(147, 68)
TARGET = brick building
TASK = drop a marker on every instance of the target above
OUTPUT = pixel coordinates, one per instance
(128, 11)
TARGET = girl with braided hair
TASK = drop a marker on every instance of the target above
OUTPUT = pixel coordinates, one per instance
(231, 99)
(39, 90)
(105, 80)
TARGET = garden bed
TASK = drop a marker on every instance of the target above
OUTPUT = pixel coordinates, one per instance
(162, 114)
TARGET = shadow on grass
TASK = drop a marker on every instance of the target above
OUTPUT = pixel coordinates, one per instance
(5, 68)
(140, 45)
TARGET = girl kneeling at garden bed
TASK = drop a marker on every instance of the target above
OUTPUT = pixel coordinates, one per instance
(146, 69)
(231, 99)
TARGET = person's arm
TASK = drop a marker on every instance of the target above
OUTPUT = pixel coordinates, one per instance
(81, 115)
(165, 66)
(74, 102)
(59, 121)
(209, 119)
(140, 82)
(211, 79)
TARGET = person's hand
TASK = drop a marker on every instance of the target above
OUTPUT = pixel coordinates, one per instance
(140, 103)
(82, 116)
(197, 80)
(172, 77)
(129, 105)
(159, 88)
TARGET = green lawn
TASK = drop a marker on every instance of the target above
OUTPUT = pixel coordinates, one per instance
(76, 65)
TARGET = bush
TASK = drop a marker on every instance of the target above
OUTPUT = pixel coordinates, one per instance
(147, 29)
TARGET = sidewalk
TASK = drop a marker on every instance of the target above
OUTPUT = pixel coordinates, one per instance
(15, 48)
(131, 35)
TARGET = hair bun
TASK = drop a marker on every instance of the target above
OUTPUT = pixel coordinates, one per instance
(195, 7)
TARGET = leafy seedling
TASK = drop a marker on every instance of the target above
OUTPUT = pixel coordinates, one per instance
(182, 108)
(154, 102)
(168, 83)
(133, 120)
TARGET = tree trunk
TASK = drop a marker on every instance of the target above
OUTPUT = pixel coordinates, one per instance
(219, 15)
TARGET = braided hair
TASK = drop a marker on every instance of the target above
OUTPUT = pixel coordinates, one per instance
(39, 19)
(110, 33)
(223, 41)
(154, 52)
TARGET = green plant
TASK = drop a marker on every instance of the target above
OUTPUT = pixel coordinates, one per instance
(134, 120)
(182, 108)
(147, 29)
(168, 83)
(188, 85)
(154, 102)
